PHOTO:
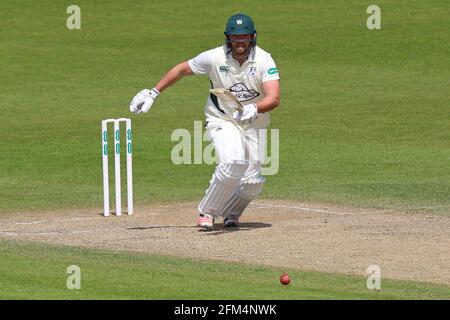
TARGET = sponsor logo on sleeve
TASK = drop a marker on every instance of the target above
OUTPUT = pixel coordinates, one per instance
(272, 71)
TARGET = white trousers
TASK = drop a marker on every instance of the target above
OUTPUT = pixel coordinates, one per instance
(233, 143)
(236, 180)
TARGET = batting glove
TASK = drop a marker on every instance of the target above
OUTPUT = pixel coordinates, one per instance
(249, 114)
(143, 101)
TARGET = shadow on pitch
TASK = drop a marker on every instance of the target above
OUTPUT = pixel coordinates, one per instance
(243, 226)
(218, 228)
(160, 227)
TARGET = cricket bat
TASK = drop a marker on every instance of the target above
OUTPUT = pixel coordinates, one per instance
(226, 95)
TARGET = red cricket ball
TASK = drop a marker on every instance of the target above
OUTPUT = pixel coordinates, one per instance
(285, 279)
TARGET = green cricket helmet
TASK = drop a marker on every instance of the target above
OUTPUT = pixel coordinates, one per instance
(240, 24)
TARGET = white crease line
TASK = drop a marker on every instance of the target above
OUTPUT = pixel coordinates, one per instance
(28, 233)
(70, 219)
(57, 233)
(9, 234)
(49, 221)
(95, 230)
(82, 231)
(312, 209)
(27, 223)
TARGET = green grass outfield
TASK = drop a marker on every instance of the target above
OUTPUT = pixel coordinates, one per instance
(364, 118)
(31, 271)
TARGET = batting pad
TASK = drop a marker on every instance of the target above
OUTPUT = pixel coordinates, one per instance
(245, 193)
(251, 188)
(224, 182)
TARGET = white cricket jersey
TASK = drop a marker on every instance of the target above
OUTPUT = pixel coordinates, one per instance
(245, 82)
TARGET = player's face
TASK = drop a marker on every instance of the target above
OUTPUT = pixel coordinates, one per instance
(240, 43)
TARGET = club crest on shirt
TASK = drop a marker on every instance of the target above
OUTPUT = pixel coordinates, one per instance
(223, 68)
(252, 72)
(242, 93)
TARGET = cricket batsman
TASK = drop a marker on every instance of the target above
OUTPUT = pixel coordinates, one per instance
(250, 73)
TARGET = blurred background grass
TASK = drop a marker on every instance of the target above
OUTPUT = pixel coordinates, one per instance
(364, 117)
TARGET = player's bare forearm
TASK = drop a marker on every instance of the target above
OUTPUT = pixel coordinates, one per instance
(173, 75)
(272, 98)
(268, 103)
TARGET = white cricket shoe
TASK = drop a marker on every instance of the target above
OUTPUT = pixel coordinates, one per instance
(205, 221)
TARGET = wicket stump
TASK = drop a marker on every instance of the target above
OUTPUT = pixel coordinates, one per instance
(117, 179)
